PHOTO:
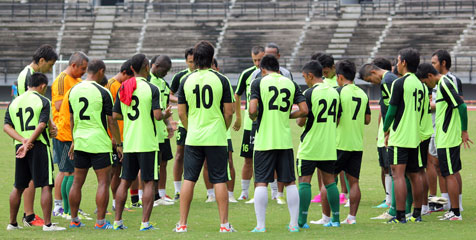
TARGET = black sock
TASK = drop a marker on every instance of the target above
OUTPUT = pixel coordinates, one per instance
(456, 211)
(416, 212)
(48, 225)
(31, 217)
(157, 196)
(134, 199)
(14, 224)
(401, 215)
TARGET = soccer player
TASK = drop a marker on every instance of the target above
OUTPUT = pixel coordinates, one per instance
(355, 113)
(113, 86)
(206, 111)
(328, 67)
(271, 100)
(182, 133)
(383, 78)
(138, 104)
(244, 82)
(402, 133)
(317, 148)
(77, 66)
(450, 134)
(42, 61)
(277, 188)
(26, 121)
(160, 66)
(441, 60)
(90, 107)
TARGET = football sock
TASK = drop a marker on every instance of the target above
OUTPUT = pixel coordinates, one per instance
(68, 188)
(245, 186)
(388, 189)
(456, 211)
(58, 203)
(162, 193)
(305, 195)
(64, 195)
(156, 197)
(76, 220)
(274, 188)
(409, 199)
(350, 217)
(114, 203)
(447, 197)
(230, 194)
(29, 218)
(140, 193)
(461, 202)
(416, 212)
(210, 192)
(393, 208)
(280, 194)
(261, 202)
(100, 222)
(333, 198)
(226, 225)
(292, 196)
(401, 215)
(134, 195)
(177, 185)
(145, 224)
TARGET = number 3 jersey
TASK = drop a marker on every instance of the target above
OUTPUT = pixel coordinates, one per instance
(140, 133)
(204, 92)
(408, 95)
(26, 112)
(318, 140)
(90, 103)
(276, 95)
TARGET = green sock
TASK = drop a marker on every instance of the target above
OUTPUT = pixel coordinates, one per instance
(305, 196)
(347, 184)
(64, 194)
(333, 198)
(409, 200)
(68, 188)
(393, 209)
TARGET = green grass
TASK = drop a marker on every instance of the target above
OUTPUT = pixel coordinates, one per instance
(203, 221)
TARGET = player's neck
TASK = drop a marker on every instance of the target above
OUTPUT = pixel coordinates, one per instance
(444, 71)
(315, 81)
(34, 66)
(347, 82)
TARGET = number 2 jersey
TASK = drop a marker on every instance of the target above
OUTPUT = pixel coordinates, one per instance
(276, 95)
(318, 140)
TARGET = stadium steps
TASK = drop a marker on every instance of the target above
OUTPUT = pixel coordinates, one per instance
(103, 24)
(346, 27)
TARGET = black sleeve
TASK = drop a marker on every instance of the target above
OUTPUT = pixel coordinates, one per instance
(174, 87)
(308, 96)
(339, 109)
(291, 75)
(241, 87)
(255, 89)
(7, 119)
(460, 86)
(449, 94)
(367, 109)
(298, 97)
(107, 103)
(227, 92)
(181, 93)
(117, 105)
(396, 95)
(45, 111)
(155, 97)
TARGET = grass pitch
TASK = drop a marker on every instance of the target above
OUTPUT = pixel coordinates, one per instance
(204, 223)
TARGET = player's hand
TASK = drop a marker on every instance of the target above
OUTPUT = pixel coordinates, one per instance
(466, 140)
(26, 142)
(21, 152)
(53, 131)
(237, 124)
(71, 152)
(171, 128)
(119, 153)
(386, 138)
(168, 112)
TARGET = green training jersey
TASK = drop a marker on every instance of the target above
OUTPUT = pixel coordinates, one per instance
(164, 97)
(23, 79)
(332, 81)
(385, 91)
(354, 106)
(407, 95)
(244, 83)
(318, 140)
(204, 92)
(90, 104)
(140, 134)
(447, 119)
(176, 81)
(426, 121)
(26, 112)
(276, 95)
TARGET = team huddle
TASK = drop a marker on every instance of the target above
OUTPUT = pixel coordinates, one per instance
(122, 128)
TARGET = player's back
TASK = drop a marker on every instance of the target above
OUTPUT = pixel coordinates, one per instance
(276, 98)
(90, 103)
(318, 140)
(113, 86)
(447, 119)
(354, 105)
(426, 124)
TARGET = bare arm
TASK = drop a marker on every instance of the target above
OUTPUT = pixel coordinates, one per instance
(253, 109)
(301, 121)
(117, 116)
(367, 119)
(116, 134)
(8, 129)
(237, 124)
(182, 112)
(173, 98)
(301, 112)
(228, 113)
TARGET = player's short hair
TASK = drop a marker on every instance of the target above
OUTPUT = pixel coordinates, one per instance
(203, 54)
(326, 60)
(215, 62)
(383, 63)
(95, 65)
(424, 69)
(188, 51)
(443, 55)
(346, 68)
(365, 70)
(138, 62)
(395, 70)
(126, 66)
(46, 52)
(313, 67)
(269, 62)
(257, 50)
(273, 45)
(153, 60)
(412, 57)
(37, 79)
(316, 55)
(103, 81)
(78, 58)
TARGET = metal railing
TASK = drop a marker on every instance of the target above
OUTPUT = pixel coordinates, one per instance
(419, 8)
(47, 10)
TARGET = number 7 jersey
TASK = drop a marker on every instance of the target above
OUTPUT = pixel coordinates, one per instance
(276, 95)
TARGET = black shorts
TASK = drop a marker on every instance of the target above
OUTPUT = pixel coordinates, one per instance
(115, 158)
(408, 156)
(266, 162)
(349, 162)
(165, 150)
(95, 160)
(307, 167)
(181, 136)
(217, 161)
(423, 151)
(383, 157)
(449, 159)
(230, 146)
(246, 146)
(37, 165)
(147, 162)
